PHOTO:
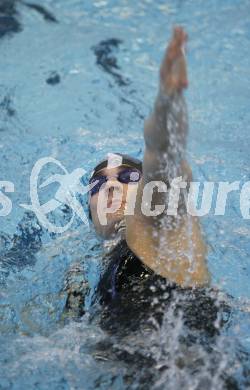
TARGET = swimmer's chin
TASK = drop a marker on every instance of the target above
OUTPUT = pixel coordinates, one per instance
(109, 230)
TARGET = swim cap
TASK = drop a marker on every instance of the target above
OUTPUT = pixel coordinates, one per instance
(114, 160)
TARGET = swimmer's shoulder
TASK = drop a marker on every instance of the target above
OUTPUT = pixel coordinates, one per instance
(166, 251)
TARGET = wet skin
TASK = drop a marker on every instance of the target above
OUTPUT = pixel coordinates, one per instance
(172, 248)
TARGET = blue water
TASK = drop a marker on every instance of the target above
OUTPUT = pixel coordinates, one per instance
(55, 100)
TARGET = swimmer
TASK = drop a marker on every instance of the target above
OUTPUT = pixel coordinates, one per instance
(144, 250)
(155, 274)
(169, 246)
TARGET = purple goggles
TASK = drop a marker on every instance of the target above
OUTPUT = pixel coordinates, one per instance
(125, 176)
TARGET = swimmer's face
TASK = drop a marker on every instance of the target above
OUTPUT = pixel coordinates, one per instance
(111, 197)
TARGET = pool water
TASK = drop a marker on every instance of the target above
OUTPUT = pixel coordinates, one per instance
(78, 80)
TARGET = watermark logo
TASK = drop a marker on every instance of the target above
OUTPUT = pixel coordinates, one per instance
(71, 186)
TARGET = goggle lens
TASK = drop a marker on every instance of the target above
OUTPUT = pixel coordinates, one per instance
(126, 176)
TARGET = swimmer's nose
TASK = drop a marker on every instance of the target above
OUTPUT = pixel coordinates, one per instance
(113, 190)
(113, 186)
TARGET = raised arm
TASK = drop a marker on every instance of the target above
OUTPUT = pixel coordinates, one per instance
(173, 246)
(166, 129)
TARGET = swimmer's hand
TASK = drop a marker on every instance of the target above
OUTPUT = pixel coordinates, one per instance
(173, 71)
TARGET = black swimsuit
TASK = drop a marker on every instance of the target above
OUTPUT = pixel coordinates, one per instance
(139, 312)
(124, 269)
(130, 293)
